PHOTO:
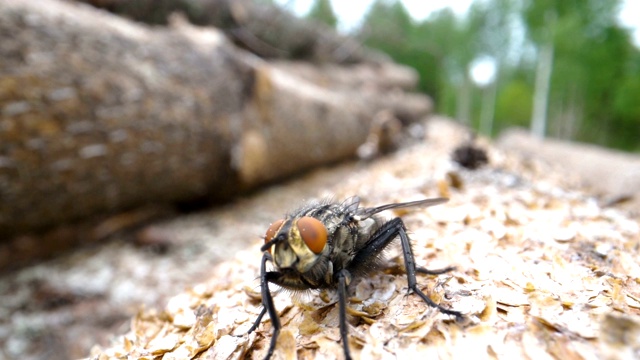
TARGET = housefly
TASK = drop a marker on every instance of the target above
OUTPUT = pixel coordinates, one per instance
(325, 245)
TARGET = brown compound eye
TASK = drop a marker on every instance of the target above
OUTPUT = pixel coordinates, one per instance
(272, 231)
(313, 233)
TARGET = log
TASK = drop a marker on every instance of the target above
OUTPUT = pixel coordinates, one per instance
(613, 175)
(260, 27)
(100, 114)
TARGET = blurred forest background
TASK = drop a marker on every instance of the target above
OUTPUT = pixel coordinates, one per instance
(564, 69)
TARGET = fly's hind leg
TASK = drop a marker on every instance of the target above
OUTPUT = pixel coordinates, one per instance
(410, 265)
(383, 237)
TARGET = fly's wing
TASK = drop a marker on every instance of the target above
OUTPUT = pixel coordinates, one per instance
(368, 212)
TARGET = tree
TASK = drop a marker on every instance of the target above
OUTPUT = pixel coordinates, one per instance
(322, 11)
(496, 41)
(541, 18)
(584, 54)
(389, 27)
(514, 102)
(626, 106)
(577, 63)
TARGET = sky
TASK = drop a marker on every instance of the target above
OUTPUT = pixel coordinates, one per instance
(350, 12)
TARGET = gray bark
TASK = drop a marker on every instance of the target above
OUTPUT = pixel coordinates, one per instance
(541, 95)
(259, 27)
(463, 105)
(101, 114)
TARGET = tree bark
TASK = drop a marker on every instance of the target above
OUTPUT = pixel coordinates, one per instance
(260, 27)
(542, 88)
(463, 105)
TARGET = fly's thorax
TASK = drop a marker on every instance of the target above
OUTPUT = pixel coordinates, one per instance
(345, 241)
(367, 227)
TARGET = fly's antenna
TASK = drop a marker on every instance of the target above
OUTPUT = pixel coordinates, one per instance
(271, 242)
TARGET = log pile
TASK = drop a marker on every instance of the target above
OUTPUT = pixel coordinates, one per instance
(102, 114)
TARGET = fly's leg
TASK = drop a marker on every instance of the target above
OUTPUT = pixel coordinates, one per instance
(257, 322)
(267, 302)
(410, 265)
(343, 279)
(435, 272)
(382, 238)
(267, 306)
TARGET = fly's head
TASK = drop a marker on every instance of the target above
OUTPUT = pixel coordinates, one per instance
(297, 243)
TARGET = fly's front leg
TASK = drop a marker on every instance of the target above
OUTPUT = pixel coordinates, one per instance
(267, 305)
(257, 322)
(410, 265)
(344, 278)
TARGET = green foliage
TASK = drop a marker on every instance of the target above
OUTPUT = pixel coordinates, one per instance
(514, 104)
(389, 28)
(595, 82)
(626, 97)
(425, 46)
(591, 62)
(323, 12)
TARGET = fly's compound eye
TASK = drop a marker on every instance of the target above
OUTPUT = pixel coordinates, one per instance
(313, 233)
(272, 231)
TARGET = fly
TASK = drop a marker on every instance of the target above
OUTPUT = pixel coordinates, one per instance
(326, 245)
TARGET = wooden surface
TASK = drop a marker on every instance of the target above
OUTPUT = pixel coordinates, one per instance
(613, 175)
(543, 271)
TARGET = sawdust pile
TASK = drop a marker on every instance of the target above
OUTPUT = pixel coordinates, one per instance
(543, 271)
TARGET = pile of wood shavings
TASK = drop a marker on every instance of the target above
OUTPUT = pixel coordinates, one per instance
(542, 272)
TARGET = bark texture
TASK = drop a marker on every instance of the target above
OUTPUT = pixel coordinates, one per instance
(100, 114)
(259, 27)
